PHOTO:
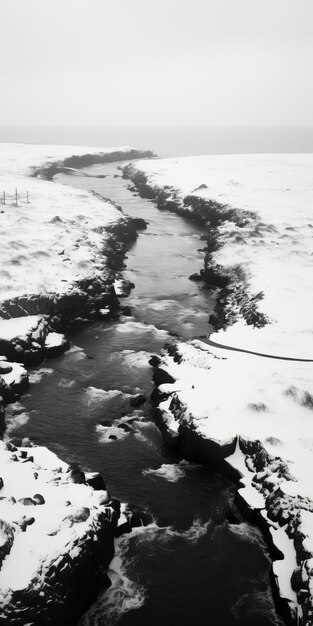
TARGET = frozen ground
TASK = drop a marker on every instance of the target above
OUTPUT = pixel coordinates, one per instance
(50, 518)
(260, 407)
(58, 239)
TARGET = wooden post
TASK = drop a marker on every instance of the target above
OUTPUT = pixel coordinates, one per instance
(15, 196)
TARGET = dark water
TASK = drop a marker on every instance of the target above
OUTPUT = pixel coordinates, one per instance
(190, 566)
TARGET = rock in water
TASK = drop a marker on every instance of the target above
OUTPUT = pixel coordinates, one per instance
(196, 277)
(55, 345)
(136, 401)
(95, 480)
(123, 287)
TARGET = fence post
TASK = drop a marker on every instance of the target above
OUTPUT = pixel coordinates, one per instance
(3, 197)
(15, 196)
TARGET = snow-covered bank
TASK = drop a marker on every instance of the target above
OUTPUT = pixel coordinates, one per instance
(251, 415)
(61, 249)
(257, 209)
(24, 341)
(56, 536)
(58, 252)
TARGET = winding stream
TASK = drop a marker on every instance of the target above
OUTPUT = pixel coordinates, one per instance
(191, 566)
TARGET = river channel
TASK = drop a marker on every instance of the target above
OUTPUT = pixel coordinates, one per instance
(191, 566)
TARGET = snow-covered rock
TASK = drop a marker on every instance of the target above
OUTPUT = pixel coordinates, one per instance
(23, 338)
(122, 287)
(14, 375)
(55, 344)
(56, 537)
(243, 397)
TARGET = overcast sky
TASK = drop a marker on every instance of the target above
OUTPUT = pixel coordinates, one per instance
(135, 62)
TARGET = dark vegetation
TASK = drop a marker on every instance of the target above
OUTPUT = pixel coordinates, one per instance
(233, 298)
(49, 170)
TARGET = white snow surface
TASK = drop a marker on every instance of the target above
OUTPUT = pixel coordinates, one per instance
(54, 340)
(52, 533)
(57, 239)
(232, 393)
(19, 327)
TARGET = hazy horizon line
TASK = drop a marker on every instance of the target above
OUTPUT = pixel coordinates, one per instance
(157, 125)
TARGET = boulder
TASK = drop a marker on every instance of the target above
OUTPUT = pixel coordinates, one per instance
(196, 277)
(39, 499)
(126, 310)
(77, 476)
(138, 516)
(139, 223)
(5, 368)
(81, 515)
(124, 427)
(136, 401)
(27, 501)
(95, 480)
(106, 423)
(158, 396)
(6, 539)
(123, 287)
(123, 528)
(55, 345)
(154, 361)
(161, 376)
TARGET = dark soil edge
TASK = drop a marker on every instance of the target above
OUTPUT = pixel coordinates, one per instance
(233, 296)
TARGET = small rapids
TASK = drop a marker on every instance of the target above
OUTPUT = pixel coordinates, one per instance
(191, 566)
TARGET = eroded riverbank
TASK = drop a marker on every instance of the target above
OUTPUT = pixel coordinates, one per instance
(195, 536)
(257, 210)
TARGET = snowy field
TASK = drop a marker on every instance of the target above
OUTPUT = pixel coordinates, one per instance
(265, 404)
(59, 237)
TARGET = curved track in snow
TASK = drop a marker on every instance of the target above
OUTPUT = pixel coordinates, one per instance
(214, 344)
